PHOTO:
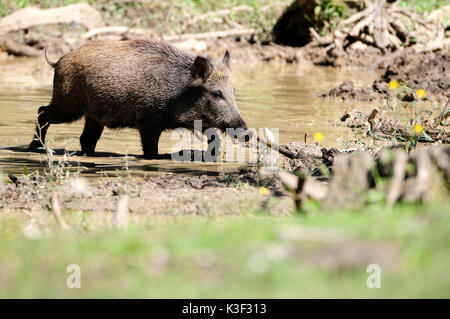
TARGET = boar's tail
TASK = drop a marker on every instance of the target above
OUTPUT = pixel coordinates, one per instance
(52, 64)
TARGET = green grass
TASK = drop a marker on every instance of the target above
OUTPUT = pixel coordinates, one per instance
(424, 5)
(152, 15)
(249, 256)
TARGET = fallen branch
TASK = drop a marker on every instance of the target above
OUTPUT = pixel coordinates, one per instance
(278, 148)
(120, 31)
(223, 12)
(434, 45)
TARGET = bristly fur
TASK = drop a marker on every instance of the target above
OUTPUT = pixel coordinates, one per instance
(150, 86)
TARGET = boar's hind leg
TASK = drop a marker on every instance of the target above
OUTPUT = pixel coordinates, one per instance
(91, 133)
(52, 114)
(41, 129)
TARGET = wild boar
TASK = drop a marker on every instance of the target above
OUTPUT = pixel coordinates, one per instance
(149, 86)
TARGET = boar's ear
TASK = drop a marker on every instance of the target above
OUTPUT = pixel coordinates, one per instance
(201, 69)
(227, 59)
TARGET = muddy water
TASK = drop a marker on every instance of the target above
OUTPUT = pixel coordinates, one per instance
(275, 96)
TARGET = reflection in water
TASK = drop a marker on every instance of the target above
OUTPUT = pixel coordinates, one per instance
(284, 96)
(279, 96)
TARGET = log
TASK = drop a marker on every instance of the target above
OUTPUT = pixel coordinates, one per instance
(26, 18)
(433, 45)
(15, 48)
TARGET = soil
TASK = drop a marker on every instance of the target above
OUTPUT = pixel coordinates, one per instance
(167, 194)
(429, 71)
(246, 50)
(356, 55)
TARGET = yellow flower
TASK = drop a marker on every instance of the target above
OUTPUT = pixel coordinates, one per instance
(418, 128)
(263, 191)
(421, 93)
(393, 85)
(318, 137)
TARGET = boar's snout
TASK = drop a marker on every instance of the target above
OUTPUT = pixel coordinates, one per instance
(246, 136)
(240, 131)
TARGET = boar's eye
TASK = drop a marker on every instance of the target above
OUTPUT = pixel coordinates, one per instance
(217, 94)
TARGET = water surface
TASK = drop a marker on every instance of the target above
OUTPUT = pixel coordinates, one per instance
(280, 96)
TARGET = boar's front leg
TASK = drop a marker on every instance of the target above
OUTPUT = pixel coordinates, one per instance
(91, 133)
(149, 141)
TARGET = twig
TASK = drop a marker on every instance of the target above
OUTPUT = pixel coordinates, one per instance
(57, 212)
(115, 31)
(121, 216)
(223, 12)
(280, 149)
(233, 24)
(13, 178)
(166, 20)
(372, 115)
(26, 213)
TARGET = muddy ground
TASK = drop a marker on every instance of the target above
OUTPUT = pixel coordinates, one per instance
(429, 71)
(164, 195)
(240, 192)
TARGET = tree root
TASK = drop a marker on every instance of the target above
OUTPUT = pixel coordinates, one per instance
(384, 26)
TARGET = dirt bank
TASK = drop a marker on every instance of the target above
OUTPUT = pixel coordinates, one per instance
(429, 71)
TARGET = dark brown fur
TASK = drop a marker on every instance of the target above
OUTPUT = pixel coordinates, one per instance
(150, 86)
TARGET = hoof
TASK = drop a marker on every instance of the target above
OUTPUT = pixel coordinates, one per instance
(90, 153)
(35, 145)
(150, 156)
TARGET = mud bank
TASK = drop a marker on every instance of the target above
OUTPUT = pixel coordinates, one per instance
(429, 71)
